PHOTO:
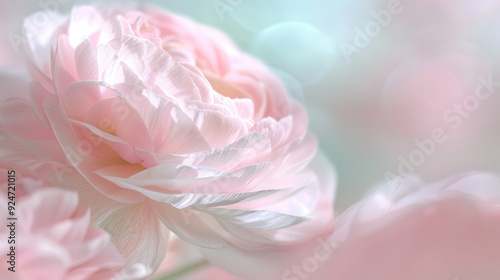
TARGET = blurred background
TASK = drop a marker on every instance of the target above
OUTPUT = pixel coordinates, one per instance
(392, 87)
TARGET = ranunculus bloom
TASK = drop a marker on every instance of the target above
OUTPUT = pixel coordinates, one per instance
(53, 239)
(159, 121)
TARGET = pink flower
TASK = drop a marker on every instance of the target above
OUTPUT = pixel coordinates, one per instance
(53, 240)
(158, 121)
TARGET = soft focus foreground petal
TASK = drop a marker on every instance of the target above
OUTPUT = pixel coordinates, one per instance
(411, 230)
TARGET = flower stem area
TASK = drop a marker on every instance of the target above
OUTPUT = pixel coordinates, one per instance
(184, 271)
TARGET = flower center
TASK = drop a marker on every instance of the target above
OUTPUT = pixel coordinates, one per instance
(224, 87)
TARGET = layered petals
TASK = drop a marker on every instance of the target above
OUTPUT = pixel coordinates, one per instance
(161, 124)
